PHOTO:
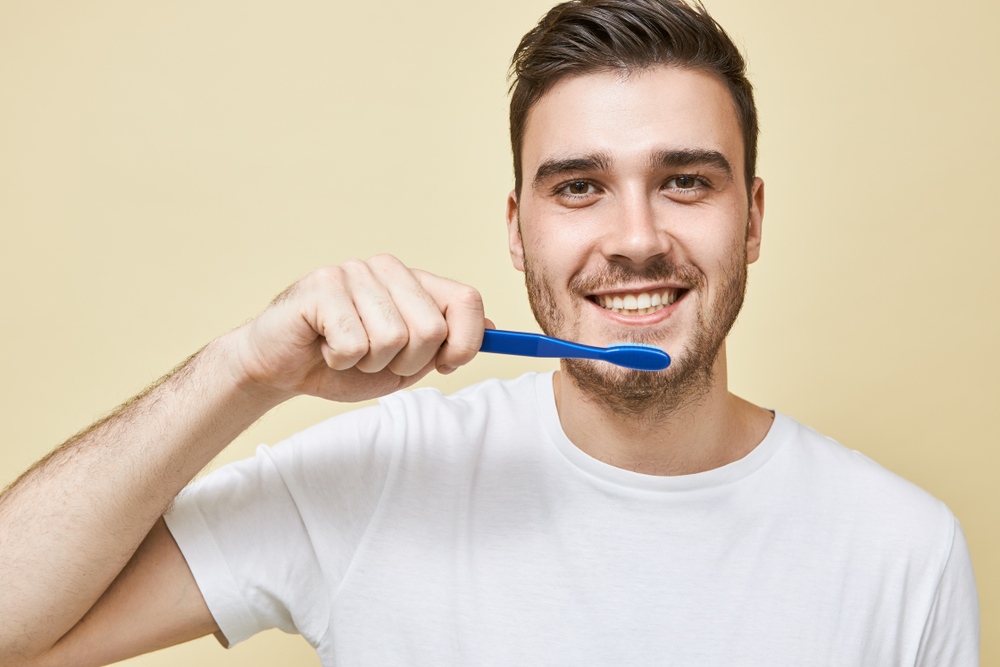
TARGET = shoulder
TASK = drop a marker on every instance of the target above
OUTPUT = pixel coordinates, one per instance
(851, 489)
(826, 459)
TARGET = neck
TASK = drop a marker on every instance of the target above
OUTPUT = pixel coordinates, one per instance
(707, 432)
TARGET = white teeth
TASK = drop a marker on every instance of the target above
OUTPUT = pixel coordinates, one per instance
(643, 303)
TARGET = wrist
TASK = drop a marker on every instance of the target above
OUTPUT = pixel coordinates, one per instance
(227, 355)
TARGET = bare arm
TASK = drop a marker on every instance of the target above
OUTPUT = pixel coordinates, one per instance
(69, 526)
(71, 523)
(153, 603)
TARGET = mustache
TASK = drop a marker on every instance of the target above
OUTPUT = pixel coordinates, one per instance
(617, 274)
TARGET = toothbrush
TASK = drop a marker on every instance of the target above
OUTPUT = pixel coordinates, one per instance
(639, 357)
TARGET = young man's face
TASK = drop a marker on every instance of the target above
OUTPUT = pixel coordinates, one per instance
(633, 223)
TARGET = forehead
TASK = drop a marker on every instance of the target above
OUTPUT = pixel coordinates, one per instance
(629, 117)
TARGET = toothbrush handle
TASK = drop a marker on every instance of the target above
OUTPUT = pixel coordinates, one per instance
(509, 342)
(534, 345)
(556, 347)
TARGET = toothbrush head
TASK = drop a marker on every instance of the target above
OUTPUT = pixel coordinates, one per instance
(637, 356)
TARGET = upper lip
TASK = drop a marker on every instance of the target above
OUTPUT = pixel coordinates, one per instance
(637, 290)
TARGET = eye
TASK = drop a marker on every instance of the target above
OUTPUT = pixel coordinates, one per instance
(578, 192)
(577, 188)
(684, 182)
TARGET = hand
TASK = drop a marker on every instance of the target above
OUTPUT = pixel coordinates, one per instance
(360, 330)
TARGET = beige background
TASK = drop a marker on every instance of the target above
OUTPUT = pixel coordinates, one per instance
(166, 168)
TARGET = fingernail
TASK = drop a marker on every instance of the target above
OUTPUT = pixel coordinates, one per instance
(445, 370)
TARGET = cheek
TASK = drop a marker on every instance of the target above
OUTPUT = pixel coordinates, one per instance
(710, 241)
(561, 247)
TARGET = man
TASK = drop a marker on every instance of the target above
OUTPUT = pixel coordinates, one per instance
(595, 515)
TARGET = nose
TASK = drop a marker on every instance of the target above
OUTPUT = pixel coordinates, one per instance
(632, 233)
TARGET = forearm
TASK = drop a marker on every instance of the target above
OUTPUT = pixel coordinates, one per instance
(71, 523)
(69, 526)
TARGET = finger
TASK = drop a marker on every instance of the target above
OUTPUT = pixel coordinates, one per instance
(419, 375)
(425, 323)
(331, 313)
(463, 311)
(384, 326)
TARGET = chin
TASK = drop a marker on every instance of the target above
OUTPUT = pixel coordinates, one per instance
(652, 395)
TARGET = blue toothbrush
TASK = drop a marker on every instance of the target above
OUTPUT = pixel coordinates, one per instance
(639, 357)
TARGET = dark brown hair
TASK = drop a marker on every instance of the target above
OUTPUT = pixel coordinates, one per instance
(585, 36)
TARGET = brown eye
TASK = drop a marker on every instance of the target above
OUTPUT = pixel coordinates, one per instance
(578, 187)
(685, 182)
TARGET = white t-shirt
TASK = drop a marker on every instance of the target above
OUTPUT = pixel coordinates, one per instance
(468, 530)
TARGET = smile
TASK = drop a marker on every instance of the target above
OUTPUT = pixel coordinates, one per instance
(637, 303)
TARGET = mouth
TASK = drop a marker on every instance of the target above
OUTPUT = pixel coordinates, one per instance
(638, 303)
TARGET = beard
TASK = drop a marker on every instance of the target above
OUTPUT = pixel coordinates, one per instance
(648, 396)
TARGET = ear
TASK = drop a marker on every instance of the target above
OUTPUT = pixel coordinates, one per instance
(514, 233)
(754, 226)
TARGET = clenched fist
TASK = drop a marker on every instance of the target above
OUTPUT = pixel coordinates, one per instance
(359, 330)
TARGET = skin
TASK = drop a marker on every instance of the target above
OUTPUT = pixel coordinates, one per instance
(90, 575)
(611, 209)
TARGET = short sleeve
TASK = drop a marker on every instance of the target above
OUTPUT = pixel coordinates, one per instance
(268, 539)
(951, 636)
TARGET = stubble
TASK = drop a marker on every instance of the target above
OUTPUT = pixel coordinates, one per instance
(644, 395)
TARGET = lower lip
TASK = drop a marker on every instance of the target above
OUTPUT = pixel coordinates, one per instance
(641, 320)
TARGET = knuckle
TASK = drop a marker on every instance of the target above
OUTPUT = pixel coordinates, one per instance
(344, 326)
(350, 348)
(393, 337)
(327, 273)
(327, 277)
(436, 331)
(470, 297)
(383, 259)
(385, 266)
(345, 340)
(352, 266)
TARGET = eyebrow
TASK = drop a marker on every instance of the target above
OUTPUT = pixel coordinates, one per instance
(690, 157)
(664, 159)
(555, 167)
